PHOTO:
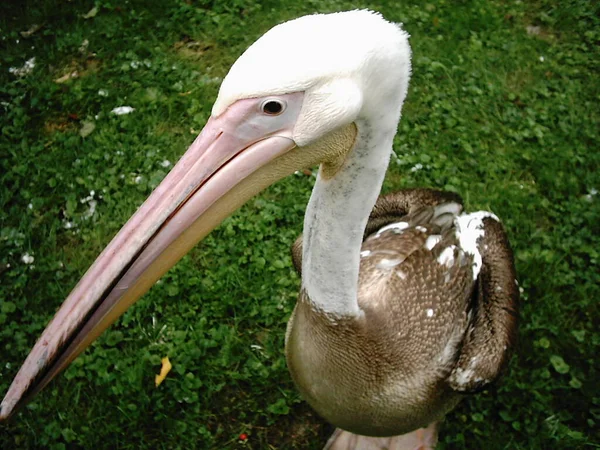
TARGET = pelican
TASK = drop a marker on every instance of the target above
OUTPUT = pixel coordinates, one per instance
(407, 303)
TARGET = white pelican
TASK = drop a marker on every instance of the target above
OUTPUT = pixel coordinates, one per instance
(388, 334)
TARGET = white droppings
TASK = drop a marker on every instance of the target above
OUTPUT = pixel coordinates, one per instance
(398, 227)
(91, 209)
(138, 179)
(121, 110)
(30, 206)
(387, 264)
(446, 258)
(27, 258)
(421, 229)
(165, 163)
(469, 228)
(429, 312)
(542, 59)
(92, 203)
(102, 92)
(432, 241)
(365, 253)
(401, 274)
(416, 167)
(498, 289)
(516, 282)
(25, 70)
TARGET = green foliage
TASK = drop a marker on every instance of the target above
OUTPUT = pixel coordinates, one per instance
(503, 108)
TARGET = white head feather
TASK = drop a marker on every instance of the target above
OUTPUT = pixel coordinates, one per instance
(350, 65)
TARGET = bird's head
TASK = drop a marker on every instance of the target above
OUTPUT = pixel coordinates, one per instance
(289, 102)
(340, 67)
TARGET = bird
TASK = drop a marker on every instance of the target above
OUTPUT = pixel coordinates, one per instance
(407, 303)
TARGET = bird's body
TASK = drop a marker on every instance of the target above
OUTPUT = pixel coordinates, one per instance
(388, 333)
(401, 365)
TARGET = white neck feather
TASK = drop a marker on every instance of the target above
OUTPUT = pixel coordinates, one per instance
(335, 221)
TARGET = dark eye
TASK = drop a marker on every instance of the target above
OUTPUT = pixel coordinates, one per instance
(273, 107)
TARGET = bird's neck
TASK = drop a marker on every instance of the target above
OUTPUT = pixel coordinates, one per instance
(335, 221)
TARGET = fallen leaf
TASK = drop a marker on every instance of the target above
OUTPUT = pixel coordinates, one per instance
(66, 77)
(164, 371)
(31, 30)
(87, 128)
(91, 13)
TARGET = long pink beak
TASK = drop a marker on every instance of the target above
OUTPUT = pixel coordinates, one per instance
(237, 155)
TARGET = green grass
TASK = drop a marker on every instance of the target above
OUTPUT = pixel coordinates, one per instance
(506, 117)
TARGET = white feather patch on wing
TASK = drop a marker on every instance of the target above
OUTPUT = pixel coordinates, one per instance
(446, 258)
(469, 228)
(432, 241)
(397, 227)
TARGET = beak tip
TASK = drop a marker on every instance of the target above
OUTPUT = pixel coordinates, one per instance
(5, 411)
(8, 408)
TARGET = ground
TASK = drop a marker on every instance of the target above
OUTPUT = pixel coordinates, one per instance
(503, 108)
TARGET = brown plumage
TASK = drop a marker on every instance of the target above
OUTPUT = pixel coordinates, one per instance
(429, 332)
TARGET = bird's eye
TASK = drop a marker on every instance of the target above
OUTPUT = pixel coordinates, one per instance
(273, 107)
